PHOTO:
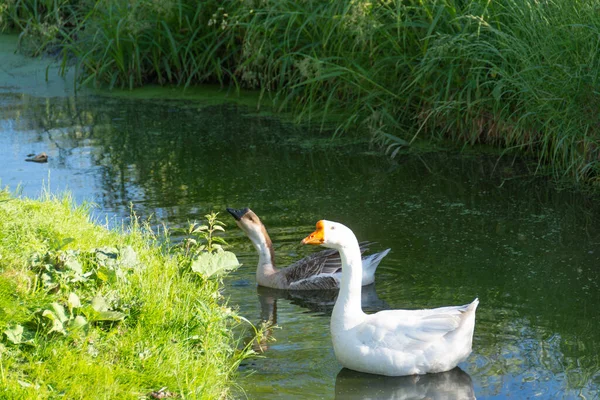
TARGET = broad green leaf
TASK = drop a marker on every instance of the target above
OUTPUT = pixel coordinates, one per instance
(128, 257)
(47, 280)
(65, 242)
(99, 311)
(200, 228)
(107, 274)
(99, 304)
(14, 334)
(209, 264)
(74, 265)
(77, 323)
(73, 301)
(59, 311)
(101, 274)
(57, 325)
(109, 316)
(217, 239)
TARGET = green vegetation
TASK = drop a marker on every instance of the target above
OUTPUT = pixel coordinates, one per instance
(518, 74)
(87, 312)
(202, 249)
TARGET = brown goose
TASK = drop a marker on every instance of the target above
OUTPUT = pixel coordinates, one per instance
(319, 271)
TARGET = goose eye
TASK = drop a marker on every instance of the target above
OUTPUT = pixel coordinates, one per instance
(332, 228)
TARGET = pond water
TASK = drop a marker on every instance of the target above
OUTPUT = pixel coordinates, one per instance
(459, 227)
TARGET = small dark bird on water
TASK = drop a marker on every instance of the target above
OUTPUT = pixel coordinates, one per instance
(40, 158)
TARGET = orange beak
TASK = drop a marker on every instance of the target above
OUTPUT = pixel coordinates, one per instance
(317, 237)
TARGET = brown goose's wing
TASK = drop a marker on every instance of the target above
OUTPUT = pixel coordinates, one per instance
(317, 282)
(324, 262)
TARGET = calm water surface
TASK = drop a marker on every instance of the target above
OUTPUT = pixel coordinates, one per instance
(459, 227)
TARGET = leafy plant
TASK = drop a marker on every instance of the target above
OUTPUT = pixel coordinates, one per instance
(81, 274)
(16, 334)
(139, 310)
(204, 249)
(205, 239)
(66, 321)
(214, 264)
(61, 271)
(62, 322)
(99, 310)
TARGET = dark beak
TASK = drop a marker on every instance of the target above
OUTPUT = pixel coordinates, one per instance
(237, 214)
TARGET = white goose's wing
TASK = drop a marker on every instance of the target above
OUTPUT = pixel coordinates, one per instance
(409, 330)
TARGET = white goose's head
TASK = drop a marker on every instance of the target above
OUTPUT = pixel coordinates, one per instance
(250, 224)
(331, 234)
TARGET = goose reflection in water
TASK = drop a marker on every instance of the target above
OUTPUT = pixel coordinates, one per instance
(455, 384)
(319, 301)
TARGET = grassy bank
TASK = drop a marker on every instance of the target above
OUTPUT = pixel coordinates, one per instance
(92, 313)
(520, 75)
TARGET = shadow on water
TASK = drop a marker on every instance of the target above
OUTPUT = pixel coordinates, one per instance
(321, 301)
(316, 301)
(454, 384)
(459, 227)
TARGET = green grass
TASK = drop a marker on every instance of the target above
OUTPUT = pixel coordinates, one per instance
(520, 75)
(171, 327)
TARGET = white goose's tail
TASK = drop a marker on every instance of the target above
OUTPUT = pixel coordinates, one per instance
(370, 264)
(473, 305)
(464, 333)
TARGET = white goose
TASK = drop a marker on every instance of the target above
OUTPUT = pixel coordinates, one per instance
(392, 342)
(318, 271)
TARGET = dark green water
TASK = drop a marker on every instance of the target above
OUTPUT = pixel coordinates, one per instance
(459, 227)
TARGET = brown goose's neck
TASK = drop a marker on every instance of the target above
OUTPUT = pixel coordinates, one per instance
(265, 249)
(266, 273)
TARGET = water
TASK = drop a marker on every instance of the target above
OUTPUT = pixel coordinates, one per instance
(459, 227)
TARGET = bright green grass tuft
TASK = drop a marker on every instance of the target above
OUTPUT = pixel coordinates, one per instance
(177, 328)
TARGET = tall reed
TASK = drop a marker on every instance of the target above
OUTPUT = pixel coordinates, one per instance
(40, 23)
(518, 74)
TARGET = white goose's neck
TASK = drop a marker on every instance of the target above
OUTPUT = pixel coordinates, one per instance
(347, 311)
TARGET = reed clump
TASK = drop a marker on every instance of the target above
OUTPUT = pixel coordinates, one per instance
(521, 75)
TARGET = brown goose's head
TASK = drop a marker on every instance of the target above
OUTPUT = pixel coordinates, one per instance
(250, 224)
(238, 214)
